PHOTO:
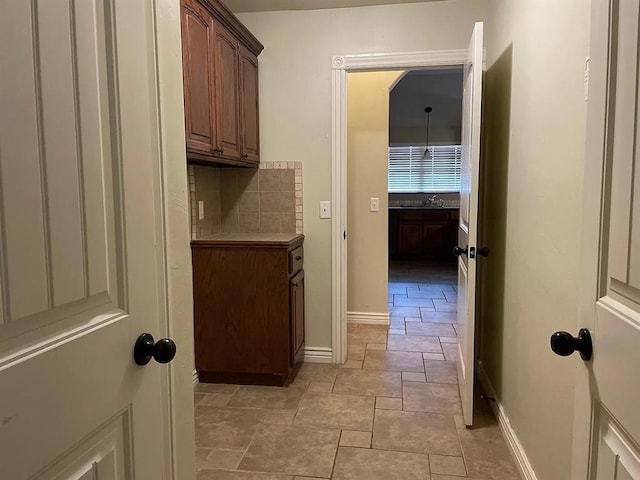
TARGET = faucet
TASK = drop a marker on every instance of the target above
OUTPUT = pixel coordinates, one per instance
(431, 200)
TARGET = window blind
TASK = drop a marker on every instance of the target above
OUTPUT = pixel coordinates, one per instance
(409, 173)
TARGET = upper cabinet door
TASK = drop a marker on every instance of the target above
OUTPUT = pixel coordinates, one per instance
(249, 105)
(198, 34)
(228, 93)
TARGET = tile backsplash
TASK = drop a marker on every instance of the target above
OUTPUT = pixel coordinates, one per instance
(242, 200)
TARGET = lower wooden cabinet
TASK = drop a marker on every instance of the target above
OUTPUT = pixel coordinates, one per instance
(422, 233)
(249, 308)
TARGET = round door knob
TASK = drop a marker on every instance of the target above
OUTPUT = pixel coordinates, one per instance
(161, 351)
(457, 251)
(564, 344)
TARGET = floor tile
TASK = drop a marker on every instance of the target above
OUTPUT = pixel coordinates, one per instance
(367, 335)
(223, 459)
(452, 477)
(409, 343)
(283, 398)
(376, 346)
(387, 403)
(396, 322)
(448, 339)
(445, 287)
(355, 351)
(397, 331)
(424, 293)
(292, 450)
(323, 387)
(444, 306)
(230, 475)
(430, 316)
(318, 372)
(433, 356)
(431, 397)
(396, 285)
(486, 454)
(441, 372)
(450, 351)
(413, 377)
(415, 432)
(350, 363)
(367, 464)
(388, 360)
(402, 301)
(451, 297)
(354, 438)
(226, 428)
(430, 329)
(214, 400)
(412, 319)
(330, 410)
(404, 311)
(201, 456)
(446, 465)
(216, 388)
(369, 382)
(278, 417)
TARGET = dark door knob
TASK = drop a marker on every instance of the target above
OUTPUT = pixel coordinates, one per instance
(564, 344)
(145, 349)
(457, 251)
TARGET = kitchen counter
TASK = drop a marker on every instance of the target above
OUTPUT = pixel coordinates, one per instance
(249, 239)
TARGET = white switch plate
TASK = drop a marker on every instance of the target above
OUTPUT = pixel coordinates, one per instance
(200, 210)
(374, 204)
(325, 209)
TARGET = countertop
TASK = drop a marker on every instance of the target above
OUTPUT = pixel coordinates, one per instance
(249, 239)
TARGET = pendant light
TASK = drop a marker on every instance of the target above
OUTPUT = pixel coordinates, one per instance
(427, 154)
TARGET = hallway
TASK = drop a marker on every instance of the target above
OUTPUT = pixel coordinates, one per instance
(392, 412)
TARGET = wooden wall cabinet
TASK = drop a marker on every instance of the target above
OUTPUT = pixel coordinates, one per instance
(422, 233)
(220, 69)
(249, 310)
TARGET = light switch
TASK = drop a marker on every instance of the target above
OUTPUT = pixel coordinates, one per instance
(200, 210)
(374, 204)
(325, 209)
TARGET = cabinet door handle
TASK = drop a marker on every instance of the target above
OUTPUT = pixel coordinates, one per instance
(245, 155)
(299, 257)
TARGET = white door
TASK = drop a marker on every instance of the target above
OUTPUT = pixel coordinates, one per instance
(81, 272)
(468, 229)
(607, 419)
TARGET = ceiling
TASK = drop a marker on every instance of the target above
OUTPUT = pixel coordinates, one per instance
(238, 6)
(440, 89)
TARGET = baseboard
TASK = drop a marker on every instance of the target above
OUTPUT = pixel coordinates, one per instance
(195, 377)
(516, 448)
(318, 355)
(368, 318)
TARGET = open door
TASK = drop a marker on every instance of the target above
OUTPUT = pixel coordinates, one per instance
(467, 249)
(606, 440)
(82, 241)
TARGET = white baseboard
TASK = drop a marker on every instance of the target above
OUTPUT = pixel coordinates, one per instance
(318, 355)
(368, 318)
(195, 377)
(516, 448)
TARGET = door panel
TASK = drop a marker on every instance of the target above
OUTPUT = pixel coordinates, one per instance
(227, 91)
(468, 221)
(607, 431)
(249, 104)
(80, 206)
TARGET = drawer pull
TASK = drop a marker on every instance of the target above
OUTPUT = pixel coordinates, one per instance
(298, 258)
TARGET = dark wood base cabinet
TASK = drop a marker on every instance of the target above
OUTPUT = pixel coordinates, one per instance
(423, 233)
(249, 310)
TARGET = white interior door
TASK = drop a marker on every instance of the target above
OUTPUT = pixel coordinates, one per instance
(81, 244)
(607, 420)
(468, 228)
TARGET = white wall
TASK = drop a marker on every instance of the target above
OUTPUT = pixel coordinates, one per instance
(367, 177)
(295, 101)
(534, 136)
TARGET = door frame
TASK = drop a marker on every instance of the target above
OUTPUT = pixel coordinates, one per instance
(176, 250)
(595, 199)
(340, 66)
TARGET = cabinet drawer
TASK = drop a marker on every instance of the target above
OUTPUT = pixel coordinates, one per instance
(296, 260)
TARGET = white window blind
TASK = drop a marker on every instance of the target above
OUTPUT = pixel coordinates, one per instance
(409, 173)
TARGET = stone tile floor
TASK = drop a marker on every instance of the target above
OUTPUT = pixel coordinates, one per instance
(392, 412)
